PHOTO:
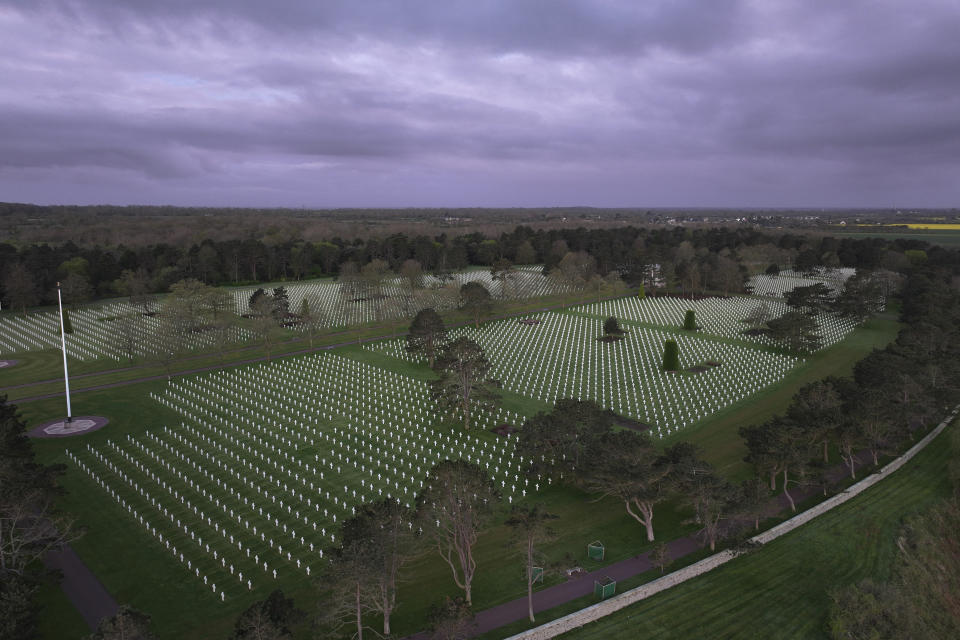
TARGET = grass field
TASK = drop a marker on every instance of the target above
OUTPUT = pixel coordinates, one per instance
(717, 434)
(781, 590)
(137, 569)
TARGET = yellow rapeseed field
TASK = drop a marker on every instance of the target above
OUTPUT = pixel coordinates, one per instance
(935, 226)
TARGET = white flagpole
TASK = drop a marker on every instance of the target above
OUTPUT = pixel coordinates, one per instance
(63, 345)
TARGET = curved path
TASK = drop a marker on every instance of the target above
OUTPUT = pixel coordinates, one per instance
(94, 602)
(516, 610)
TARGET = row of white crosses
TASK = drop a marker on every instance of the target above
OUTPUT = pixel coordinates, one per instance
(184, 478)
(787, 280)
(240, 487)
(37, 331)
(522, 282)
(96, 333)
(383, 395)
(224, 489)
(561, 357)
(196, 556)
(329, 299)
(270, 459)
(715, 316)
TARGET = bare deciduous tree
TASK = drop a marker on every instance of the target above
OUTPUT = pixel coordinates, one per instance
(531, 525)
(457, 501)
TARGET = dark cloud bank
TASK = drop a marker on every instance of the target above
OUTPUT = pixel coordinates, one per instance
(538, 102)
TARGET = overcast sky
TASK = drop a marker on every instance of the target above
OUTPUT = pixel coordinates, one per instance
(377, 103)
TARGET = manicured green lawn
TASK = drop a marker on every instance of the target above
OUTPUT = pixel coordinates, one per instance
(781, 590)
(57, 618)
(717, 435)
(138, 571)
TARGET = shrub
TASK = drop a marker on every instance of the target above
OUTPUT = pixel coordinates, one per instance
(611, 327)
(690, 321)
(671, 356)
(67, 326)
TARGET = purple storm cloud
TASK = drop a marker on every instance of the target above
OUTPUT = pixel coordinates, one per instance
(388, 103)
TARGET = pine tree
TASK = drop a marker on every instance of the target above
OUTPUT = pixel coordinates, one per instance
(464, 383)
(671, 356)
(67, 327)
(796, 331)
(475, 298)
(611, 327)
(428, 335)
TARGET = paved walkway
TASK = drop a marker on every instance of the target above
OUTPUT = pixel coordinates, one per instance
(85, 592)
(545, 599)
(557, 595)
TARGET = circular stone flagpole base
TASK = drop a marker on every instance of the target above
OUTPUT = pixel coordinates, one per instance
(61, 428)
(6, 364)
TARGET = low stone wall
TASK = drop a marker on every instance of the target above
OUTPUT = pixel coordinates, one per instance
(606, 607)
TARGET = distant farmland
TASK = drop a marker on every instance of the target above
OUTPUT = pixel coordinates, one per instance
(947, 235)
(932, 226)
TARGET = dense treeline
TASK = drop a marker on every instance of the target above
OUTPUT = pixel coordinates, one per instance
(880, 410)
(139, 225)
(893, 392)
(713, 258)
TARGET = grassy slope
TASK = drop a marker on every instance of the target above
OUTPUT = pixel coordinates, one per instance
(135, 569)
(781, 590)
